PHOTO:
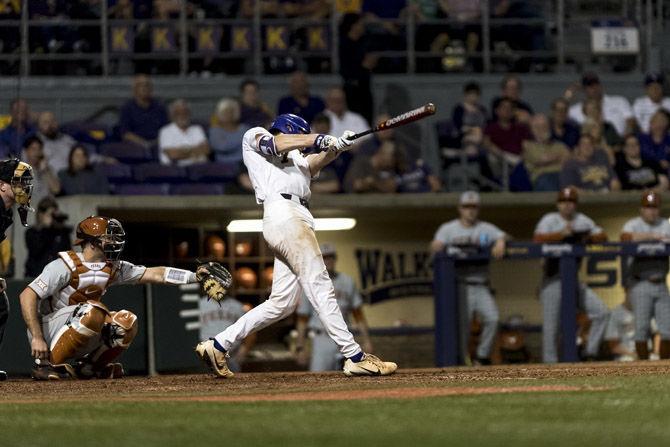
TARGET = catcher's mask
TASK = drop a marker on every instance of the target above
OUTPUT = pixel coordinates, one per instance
(19, 176)
(103, 232)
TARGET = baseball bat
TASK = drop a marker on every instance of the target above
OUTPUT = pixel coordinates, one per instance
(400, 120)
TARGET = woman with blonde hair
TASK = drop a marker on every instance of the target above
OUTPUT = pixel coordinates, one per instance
(226, 131)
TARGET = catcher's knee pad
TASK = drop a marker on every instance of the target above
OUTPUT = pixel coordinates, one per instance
(85, 323)
(117, 334)
(120, 329)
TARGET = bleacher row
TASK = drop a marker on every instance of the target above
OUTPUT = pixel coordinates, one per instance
(137, 173)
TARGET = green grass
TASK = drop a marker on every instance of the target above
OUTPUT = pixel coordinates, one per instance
(634, 412)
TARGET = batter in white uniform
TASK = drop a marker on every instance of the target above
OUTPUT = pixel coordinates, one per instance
(281, 167)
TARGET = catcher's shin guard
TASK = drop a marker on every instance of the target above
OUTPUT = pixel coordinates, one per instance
(85, 323)
(118, 333)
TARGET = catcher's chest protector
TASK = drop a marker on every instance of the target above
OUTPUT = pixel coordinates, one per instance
(88, 281)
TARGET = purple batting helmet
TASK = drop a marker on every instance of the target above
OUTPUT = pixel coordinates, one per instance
(290, 123)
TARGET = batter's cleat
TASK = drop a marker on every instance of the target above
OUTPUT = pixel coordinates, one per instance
(3, 376)
(44, 370)
(213, 358)
(370, 365)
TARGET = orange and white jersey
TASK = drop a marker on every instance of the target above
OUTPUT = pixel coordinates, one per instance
(70, 280)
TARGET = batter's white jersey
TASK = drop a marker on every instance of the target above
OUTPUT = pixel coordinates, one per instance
(289, 173)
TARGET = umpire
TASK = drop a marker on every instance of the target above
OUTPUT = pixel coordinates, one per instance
(568, 226)
(645, 280)
(473, 276)
(16, 183)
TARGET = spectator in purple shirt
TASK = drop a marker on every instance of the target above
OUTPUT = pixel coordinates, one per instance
(300, 102)
(19, 128)
(655, 145)
(143, 116)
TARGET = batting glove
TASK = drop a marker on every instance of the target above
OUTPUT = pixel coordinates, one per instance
(344, 142)
(323, 143)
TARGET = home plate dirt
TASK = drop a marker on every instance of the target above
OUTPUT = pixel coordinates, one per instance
(326, 386)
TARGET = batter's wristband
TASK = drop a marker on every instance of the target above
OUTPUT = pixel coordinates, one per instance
(316, 147)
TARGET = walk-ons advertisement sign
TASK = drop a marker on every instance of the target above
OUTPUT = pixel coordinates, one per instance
(386, 275)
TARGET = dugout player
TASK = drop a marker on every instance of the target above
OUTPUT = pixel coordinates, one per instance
(473, 276)
(646, 276)
(16, 187)
(281, 162)
(63, 311)
(325, 356)
(568, 226)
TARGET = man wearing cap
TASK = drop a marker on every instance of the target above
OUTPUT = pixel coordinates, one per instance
(16, 183)
(473, 276)
(568, 226)
(616, 109)
(325, 355)
(644, 107)
(646, 276)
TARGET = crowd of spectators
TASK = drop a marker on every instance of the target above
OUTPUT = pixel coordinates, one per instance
(366, 27)
(156, 148)
(600, 143)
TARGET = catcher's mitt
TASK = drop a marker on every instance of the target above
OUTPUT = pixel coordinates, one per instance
(214, 279)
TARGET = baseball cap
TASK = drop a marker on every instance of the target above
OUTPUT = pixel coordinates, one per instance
(590, 78)
(469, 198)
(653, 78)
(568, 194)
(651, 199)
(327, 249)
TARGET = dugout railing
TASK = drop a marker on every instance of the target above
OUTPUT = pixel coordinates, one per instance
(448, 306)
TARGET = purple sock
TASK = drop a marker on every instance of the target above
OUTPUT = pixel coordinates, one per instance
(357, 358)
(218, 346)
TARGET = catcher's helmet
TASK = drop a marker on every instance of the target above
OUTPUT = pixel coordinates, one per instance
(105, 232)
(651, 199)
(568, 194)
(290, 123)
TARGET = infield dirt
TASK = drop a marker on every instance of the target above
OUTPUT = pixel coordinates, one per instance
(259, 387)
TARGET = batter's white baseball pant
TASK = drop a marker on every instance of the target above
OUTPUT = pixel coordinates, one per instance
(288, 228)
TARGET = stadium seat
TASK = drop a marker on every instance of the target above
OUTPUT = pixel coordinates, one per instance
(116, 173)
(87, 132)
(213, 172)
(127, 152)
(198, 189)
(148, 189)
(158, 173)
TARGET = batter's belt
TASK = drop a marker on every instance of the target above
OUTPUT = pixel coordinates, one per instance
(296, 199)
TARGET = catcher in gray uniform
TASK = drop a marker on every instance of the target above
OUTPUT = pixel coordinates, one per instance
(473, 276)
(568, 225)
(63, 308)
(325, 355)
(645, 283)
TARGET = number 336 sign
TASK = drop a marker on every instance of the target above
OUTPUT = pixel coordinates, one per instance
(615, 40)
